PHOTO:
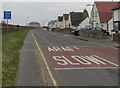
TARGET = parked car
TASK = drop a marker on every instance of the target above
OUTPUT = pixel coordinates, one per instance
(75, 32)
(105, 32)
(83, 32)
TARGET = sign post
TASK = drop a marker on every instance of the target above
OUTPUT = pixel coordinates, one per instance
(7, 15)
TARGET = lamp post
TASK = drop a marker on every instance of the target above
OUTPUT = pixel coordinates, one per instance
(26, 20)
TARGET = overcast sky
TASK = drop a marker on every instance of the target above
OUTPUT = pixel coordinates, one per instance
(42, 11)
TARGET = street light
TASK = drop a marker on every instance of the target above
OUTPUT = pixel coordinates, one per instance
(26, 20)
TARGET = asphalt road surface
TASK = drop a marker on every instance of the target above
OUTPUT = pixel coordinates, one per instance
(66, 61)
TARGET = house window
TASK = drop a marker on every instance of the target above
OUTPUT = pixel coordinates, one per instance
(96, 14)
(116, 26)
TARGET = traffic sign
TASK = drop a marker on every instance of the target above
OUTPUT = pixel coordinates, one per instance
(7, 14)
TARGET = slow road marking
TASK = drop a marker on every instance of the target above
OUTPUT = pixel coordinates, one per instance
(74, 57)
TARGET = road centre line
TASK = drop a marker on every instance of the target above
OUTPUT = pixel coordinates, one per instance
(46, 64)
(85, 68)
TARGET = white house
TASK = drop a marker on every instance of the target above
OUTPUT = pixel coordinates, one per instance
(110, 26)
(34, 24)
(75, 18)
(116, 17)
(84, 23)
(65, 21)
(52, 24)
(101, 14)
(60, 22)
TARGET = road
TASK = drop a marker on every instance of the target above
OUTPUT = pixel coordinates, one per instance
(66, 61)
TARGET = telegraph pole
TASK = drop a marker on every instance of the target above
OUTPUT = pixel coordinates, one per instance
(26, 20)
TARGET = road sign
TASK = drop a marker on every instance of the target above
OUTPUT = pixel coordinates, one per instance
(7, 14)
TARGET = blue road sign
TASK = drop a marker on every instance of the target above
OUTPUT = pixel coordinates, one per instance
(7, 14)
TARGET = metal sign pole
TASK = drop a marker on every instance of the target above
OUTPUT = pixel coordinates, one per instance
(7, 26)
(7, 15)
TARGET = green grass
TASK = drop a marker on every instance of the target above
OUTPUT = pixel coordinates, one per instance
(11, 43)
(107, 37)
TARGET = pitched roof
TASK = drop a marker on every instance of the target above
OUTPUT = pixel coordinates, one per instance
(105, 9)
(66, 16)
(117, 6)
(78, 17)
(60, 18)
(34, 23)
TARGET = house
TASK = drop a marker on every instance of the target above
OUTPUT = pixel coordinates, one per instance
(85, 23)
(116, 16)
(52, 24)
(101, 14)
(110, 26)
(34, 24)
(60, 22)
(116, 23)
(65, 21)
(75, 18)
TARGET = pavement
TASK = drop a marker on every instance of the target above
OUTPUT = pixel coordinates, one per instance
(29, 72)
(102, 42)
(67, 61)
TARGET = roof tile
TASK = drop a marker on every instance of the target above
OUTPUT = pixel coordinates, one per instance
(105, 9)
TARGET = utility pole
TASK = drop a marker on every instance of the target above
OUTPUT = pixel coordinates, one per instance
(26, 20)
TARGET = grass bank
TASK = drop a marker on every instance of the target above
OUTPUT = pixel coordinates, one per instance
(11, 43)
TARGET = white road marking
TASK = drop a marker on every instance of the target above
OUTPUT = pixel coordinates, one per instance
(94, 60)
(85, 61)
(75, 47)
(82, 60)
(60, 49)
(58, 58)
(71, 63)
(86, 68)
(106, 60)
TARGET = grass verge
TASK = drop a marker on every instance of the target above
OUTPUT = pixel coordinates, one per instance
(108, 37)
(11, 43)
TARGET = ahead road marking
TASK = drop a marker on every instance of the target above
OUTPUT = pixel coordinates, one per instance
(46, 64)
(81, 57)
